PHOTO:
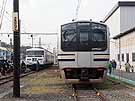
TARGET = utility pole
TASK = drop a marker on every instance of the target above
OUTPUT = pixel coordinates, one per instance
(16, 58)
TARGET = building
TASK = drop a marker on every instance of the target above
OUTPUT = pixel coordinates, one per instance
(121, 21)
(125, 47)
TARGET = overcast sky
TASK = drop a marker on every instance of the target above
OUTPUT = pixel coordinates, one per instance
(47, 15)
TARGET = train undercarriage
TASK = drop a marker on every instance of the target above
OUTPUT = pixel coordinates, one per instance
(84, 75)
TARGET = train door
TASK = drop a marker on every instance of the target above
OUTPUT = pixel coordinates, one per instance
(84, 56)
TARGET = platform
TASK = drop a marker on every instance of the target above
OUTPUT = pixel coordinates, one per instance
(128, 77)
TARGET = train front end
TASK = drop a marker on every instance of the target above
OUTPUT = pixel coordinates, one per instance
(84, 52)
(34, 55)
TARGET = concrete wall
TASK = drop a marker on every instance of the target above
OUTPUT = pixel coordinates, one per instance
(127, 45)
(114, 25)
(120, 21)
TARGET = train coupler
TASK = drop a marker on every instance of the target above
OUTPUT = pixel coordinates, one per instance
(84, 75)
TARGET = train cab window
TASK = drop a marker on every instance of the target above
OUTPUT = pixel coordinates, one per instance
(84, 38)
(98, 36)
(98, 32)
(69, 36)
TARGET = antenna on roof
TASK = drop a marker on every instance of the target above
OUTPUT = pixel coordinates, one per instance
(73, 19)
(101, 21)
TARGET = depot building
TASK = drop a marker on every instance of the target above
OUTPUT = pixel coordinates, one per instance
(121, 22)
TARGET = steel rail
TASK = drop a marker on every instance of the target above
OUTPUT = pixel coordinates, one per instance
(74, 92)
(10, 78)
(100, 94)
(3, 78)
(97, 92)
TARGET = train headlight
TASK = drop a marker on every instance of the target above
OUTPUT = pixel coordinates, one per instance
(100, 69)
(68, 70)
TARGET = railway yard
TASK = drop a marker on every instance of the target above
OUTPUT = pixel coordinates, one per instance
(56, 58)
(47, 85)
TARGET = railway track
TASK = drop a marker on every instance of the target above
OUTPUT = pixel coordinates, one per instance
(7, 79)
(87, 93)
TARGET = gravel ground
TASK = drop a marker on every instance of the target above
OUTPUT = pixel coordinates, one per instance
(48, 86)
(118, 95)
(119, 92)
(6, 87)
(43, 86)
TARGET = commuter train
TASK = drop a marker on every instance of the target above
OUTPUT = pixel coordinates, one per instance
(83, 52)
(39, 56)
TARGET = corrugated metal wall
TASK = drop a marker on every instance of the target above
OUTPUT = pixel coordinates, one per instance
(127, 18)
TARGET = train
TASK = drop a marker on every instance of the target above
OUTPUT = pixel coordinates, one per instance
(6, 53)
(6, 56)
(38, 56)
(84, 52)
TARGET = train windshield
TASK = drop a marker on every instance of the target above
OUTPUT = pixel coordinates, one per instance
(69, 36)
(99, 32)
(83, 36)
(35, 53)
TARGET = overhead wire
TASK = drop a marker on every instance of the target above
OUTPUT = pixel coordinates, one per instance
(1, 8)
(22, 24)
(10, 20)
(2, 12)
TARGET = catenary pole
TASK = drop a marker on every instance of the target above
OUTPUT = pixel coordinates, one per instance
(16, 59)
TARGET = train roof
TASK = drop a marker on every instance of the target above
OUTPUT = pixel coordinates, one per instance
(37, 49)
(3, 48)
(34, 48)
(85, 21)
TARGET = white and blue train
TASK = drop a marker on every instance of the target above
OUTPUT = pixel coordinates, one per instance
(39, 56)
(5, 54)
